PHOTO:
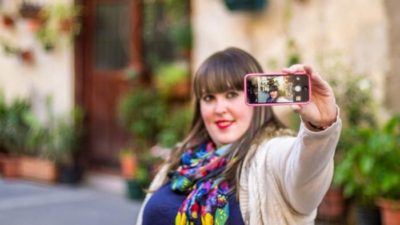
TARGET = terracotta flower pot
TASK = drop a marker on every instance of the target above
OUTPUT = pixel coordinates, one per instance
(27, 57)
(128, 166)
(66, 25)
(9, 166)
(38, 169)
(390, 210)
(333, 205)
(8, 21)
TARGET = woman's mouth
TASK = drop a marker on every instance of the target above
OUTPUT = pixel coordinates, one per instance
(223, 124)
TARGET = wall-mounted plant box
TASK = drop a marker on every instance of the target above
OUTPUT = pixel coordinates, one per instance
(9, 166)
(38, 169)
(245, 5)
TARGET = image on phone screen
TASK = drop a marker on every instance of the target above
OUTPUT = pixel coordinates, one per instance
(268, 89)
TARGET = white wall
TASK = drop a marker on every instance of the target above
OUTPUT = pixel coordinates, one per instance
(352, 32)
(52, 74)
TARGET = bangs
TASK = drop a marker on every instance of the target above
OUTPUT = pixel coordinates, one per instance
(224, 71)
(217, 80)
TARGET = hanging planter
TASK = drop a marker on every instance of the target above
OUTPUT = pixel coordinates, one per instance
(48, 24)
(30, 11)
(8, 21)
(245, 5)
(27, 57)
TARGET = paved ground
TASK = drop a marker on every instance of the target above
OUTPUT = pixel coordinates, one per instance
(27, 203)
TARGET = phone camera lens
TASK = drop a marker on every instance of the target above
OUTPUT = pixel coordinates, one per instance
(297, 88)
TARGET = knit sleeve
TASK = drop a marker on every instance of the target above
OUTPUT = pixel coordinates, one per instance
(304, 166)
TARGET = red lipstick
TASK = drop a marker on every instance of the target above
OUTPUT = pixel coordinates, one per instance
(223, 124)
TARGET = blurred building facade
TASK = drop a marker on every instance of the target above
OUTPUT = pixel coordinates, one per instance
(353, 34)
(357, 35)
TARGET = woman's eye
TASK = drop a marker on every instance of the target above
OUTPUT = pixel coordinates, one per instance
(207, 98)
(231, 94)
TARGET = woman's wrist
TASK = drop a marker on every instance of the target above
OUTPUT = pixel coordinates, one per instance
(313, 127)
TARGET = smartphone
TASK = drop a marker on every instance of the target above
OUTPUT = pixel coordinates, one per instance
(277, 89)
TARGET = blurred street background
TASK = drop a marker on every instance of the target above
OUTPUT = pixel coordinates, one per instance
(95, 93)
(30, 203)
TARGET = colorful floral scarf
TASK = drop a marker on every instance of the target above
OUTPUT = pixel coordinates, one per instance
(207, 194)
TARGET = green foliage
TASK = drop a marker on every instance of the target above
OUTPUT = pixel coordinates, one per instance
(181, 35)
(21, 132)
(166, 30)
(62, 136)
(152, 119)
(357, 107)
(19, 128)
(356, 155)
(169, 75)
(59, 19)
(175, 128)
(142, 113)
(293, 54)
(370, 167)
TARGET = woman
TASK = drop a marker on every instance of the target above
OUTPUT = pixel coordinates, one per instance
(273, 94)
(238, 164)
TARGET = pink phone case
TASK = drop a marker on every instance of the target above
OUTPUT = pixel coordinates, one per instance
(275, 103)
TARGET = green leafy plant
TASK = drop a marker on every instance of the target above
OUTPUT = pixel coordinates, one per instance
(370, 167)
(60, 19)
(354, 156)
(62, 137)
(167, 32)
(387, 167)
(171, 76)
(20, 130)
(175, 127)
(142, 113)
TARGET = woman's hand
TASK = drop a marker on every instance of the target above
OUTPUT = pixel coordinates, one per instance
(321, 111)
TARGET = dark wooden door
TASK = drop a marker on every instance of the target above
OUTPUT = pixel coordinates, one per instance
(109, 45)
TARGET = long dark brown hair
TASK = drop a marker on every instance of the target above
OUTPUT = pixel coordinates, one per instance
(223, 71)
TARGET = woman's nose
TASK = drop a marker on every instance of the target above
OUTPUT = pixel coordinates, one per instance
(220, 106)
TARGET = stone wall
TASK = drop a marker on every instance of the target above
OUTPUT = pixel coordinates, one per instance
(353, 34)
(51, 74)
(393, 78)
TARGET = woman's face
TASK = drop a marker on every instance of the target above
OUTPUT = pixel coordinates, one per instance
(274, 94)
(225, 115)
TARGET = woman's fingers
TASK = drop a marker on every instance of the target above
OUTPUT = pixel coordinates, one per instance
(297, 68)
(296, 108)
(322, 108)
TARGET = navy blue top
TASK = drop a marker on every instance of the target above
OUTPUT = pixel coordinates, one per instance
(162, 207)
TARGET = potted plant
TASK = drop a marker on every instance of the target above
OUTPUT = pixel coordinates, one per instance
(370, 169)
(61, 144)
(33, 164)
(17, 130)
(52, 147)
(246, 5)
(174, 129)
(136, 185)
(128, 163)
(61, 19)
(173, 80)
(357, 113)
(355, 173)
(141, 113)
(29, 10)
(387, 168)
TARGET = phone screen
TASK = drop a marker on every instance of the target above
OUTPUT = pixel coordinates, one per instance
(275, 89)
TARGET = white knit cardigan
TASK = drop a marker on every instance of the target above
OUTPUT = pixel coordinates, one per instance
(285, 180)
